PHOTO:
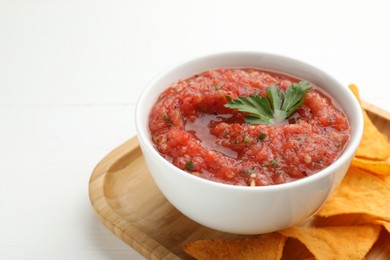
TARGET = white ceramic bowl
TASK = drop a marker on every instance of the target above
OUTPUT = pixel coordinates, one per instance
(237, 209)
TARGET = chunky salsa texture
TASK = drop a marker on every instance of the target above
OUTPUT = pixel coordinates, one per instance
(191, 127)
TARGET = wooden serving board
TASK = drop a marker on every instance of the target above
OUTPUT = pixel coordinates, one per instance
(127, 201)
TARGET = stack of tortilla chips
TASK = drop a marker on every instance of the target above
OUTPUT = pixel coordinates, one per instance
(353, 216)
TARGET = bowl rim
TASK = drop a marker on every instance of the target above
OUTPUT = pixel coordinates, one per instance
(346, 155)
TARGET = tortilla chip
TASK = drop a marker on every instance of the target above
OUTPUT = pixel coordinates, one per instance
(355, 91)
(339, 242)
(267, 246)
(373, 166)
(382, 222)
(385, 224)
(359, 193)
(386, 179)
(373, 144)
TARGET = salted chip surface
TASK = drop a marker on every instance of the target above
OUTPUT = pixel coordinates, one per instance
(359, 193)
(373, 166)
(267, 246)
(373, 144)
(338, 242)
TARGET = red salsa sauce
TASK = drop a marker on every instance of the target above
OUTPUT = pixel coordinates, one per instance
(191, 128)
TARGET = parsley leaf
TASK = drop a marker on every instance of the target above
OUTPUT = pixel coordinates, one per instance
(274, 108)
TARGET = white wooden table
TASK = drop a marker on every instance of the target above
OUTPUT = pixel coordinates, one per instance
(71, 71)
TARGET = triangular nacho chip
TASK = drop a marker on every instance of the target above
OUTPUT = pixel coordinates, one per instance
(341, 242)
(382, 222)
(385, 224)
(267, 246)
(355, 91)
(373, 144)
(386, 179)
(359, 193)
(373, 166)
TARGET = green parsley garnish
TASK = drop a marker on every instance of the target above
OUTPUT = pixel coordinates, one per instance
(274, 108)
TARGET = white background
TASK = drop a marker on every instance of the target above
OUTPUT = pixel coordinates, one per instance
(71, 72)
